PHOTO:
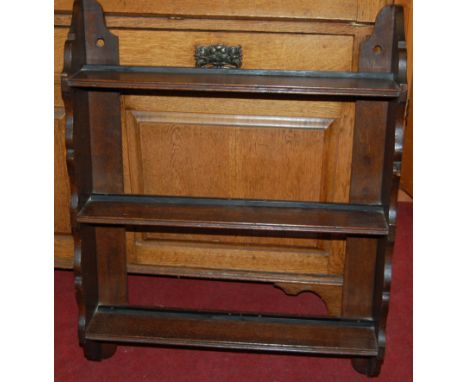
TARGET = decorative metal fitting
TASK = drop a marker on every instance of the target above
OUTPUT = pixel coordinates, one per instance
(218, 56)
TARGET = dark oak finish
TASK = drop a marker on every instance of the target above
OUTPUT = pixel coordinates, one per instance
(92, 85)
(95, 165)
(240, 81)
(232, 215)
(232, 331)
(375, 177)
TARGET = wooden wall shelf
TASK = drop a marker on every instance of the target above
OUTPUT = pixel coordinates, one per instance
(234, 215)
(332, 84)
(92, 84)
(233, 331)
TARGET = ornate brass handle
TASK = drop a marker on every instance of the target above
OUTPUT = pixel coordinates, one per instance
(218, 56)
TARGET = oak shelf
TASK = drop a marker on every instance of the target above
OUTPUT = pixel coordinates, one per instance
(139, 325)
(332, 84)
(255, 216)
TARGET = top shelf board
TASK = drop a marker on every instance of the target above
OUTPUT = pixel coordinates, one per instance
(328, 84)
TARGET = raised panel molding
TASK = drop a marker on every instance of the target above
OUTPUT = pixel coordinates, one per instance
(240, 253)
(224, 120)
(210, 155)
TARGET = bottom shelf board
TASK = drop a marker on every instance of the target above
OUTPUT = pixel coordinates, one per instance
(232, 331)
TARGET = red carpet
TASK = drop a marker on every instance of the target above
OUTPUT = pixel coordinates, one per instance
(163, 364)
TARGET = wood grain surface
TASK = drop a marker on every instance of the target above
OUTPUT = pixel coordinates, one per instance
(325, 9)
(260, 50)
(235, 331)
(226, 215)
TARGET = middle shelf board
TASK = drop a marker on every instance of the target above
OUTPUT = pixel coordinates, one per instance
(327, 84)
(253, 216)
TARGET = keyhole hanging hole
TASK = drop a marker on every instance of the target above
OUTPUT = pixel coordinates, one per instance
(377, 49)
(100, 42)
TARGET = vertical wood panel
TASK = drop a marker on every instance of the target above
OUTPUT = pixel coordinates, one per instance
(359, 272)
(61, 185)
(111, 265)
(336, 177)
(278, 164)
(368, 164)
(63, 251)
(337, 157)
(63, 240)
(366, 187)
(406, 181)
(106, 143)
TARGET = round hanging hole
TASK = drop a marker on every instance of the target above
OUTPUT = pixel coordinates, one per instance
(100, 42)
(377, 49)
